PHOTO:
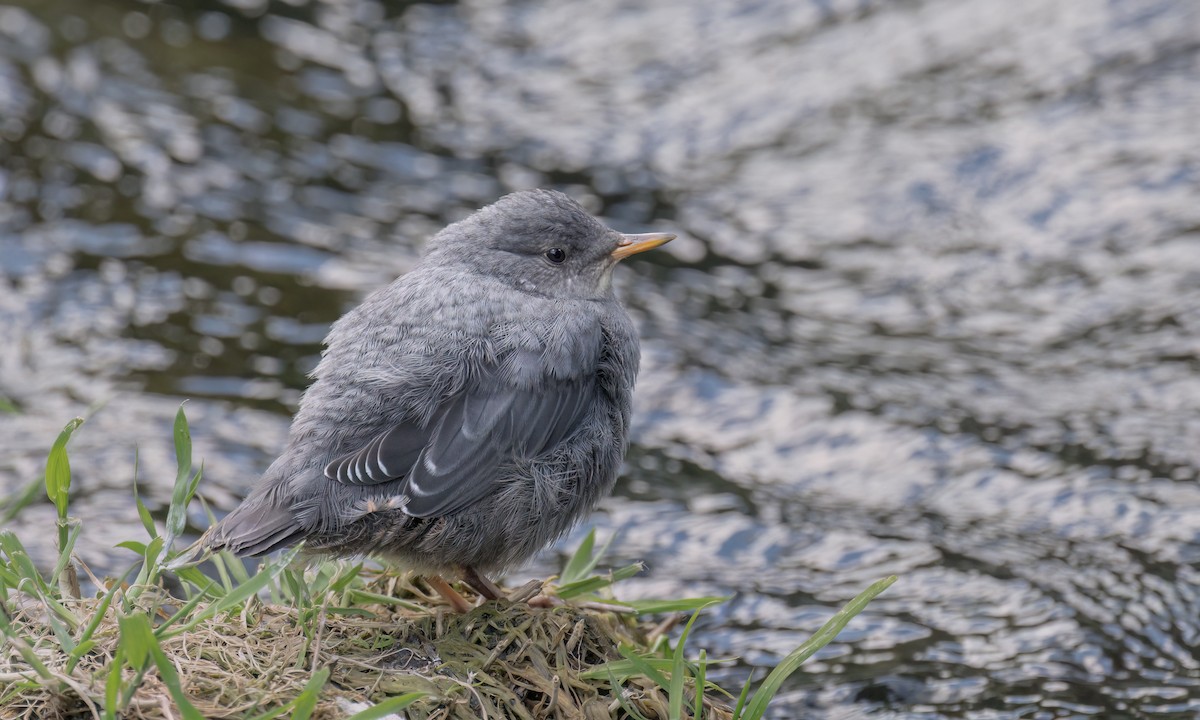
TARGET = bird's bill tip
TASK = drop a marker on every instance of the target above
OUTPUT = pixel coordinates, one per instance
(634, 244)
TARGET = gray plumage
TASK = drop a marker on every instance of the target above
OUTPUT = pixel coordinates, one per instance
(469, 413)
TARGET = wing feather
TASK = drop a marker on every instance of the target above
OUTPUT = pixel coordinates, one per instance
(462, 465)
(457, 458)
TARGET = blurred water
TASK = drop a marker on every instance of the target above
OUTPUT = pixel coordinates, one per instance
(934, 310)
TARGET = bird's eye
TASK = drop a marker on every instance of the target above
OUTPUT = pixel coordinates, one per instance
(556, 255)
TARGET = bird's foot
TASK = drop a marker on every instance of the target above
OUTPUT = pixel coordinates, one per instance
(480, 584)
(534, 592)
(449, 594)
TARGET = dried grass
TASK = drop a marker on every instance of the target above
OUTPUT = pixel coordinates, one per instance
(336, 638)
(501, 660)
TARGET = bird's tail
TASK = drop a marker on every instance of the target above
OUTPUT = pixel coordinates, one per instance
(256, 527)
(193, 554)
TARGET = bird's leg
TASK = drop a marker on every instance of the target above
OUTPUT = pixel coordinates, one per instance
(449, 594)
(481, 584)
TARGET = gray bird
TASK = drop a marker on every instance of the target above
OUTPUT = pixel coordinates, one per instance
(470, 413)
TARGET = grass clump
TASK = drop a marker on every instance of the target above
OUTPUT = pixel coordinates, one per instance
(338, 639)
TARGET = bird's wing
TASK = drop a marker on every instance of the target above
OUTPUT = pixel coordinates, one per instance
(456, 459)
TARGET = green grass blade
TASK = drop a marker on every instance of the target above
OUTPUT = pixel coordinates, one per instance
(316, 580)
(59, 609)
(652, 607)
(294, 589)
(584, 561)
(112, 685)
(135, 638)
(239, 594)
(19, 561)
(149, 569)
(581, 558)
(170, 678)
(675, 688)
(597, 582)
(349, 612)
(386, 707)
(766, 691)
(741, 701)
(61, 632)
(22, 576)
(272, 713)
(235, 566)
(701, 668)
(143, 513)
(58, 470)
(73, 529)
(97, 617)
(136, 546)
(221, 561)
(624, 669)
(679, 668)
(183, 447)
(200, 582)
(643, 667)
(23, 648)
(345, 577)
(185, 481)
(63, 568)
(58, 489)
(184, 611)
(13, 690)
(130, 688)
(360, 597)
(306, 701)
(140, 645)
(7, 406)
(619, 693)
(13, 504)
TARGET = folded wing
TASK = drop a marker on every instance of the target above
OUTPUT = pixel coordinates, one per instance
(457, 459)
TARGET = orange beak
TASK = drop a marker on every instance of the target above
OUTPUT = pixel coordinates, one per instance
(634, 244)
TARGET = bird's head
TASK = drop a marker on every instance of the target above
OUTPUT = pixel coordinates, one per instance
(540, 241)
